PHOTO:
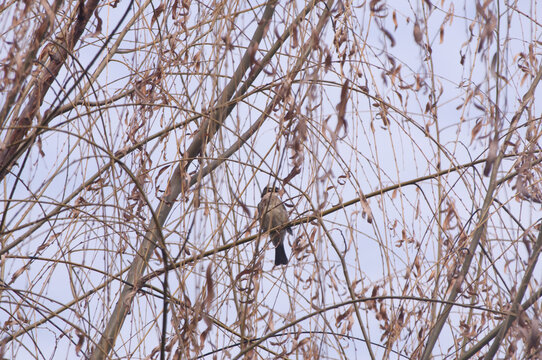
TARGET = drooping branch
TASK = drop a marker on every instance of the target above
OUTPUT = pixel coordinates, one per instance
(175, 186)
(516, 309)
(478, 346)
(20, 125)
(25, 66)
(481, 225)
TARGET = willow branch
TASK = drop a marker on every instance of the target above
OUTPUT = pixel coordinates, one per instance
(481, 226)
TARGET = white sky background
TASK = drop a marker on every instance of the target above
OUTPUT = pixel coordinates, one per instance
(104, 239)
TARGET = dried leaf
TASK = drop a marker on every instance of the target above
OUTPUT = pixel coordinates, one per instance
(157, 12)
(295, 41)
(341, 107)
(389, 36)
(295, 171)
(164, 168)
(40, 147)
(429, 5)
(327, 62)
(98, 25)
(491, 155)
(80, 341)
(475, 130)
(210, 287)
(417, 32)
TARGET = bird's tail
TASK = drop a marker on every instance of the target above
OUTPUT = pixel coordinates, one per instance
(280, 255)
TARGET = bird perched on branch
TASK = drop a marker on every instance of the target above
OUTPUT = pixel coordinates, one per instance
(273, 216)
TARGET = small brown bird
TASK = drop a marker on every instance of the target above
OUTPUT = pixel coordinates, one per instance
(273, 215)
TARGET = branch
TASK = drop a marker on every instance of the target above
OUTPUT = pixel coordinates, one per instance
(21, 125)
(516, 309)
(26, 66)
(480, 228)
(473, 350)
(175, 186)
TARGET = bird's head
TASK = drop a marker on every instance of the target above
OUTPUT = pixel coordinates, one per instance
(270, 189)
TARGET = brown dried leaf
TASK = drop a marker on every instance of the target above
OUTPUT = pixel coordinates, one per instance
(80, 341)
(157, 12)
(164, 168)
(22, 317)
(17, 273)
(491, 155)
(327, 62)
(303, 342)
(341, 107)
(40, 147)
(98, 25)
(295, 40)
(417, 32)
(295, 171)
(366, 213)
(475, 130)
(343, 316)
(389, 36)
(210, 287)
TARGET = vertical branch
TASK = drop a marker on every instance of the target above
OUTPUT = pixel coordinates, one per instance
(515, 308)
(26, 65)
(22, 124)
(481, 226)
(478, 346)
(175, 186)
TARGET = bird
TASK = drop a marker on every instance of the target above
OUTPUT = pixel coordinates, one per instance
(272, 216)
